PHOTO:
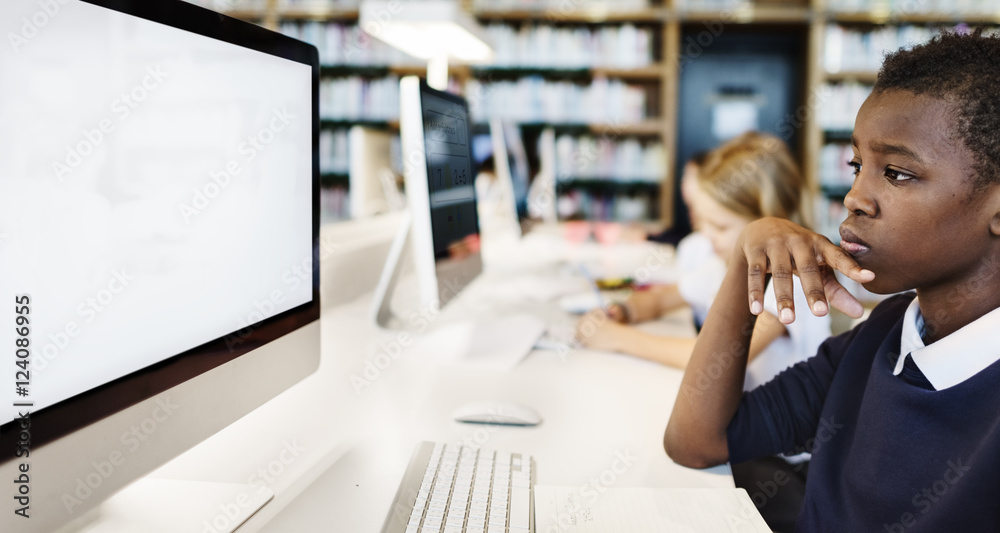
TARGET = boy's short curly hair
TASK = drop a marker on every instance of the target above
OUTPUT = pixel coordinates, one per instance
(964, 70)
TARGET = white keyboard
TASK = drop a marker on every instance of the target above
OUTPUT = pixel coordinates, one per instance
(459, 489)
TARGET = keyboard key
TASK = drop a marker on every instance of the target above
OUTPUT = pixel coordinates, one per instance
(520, 507)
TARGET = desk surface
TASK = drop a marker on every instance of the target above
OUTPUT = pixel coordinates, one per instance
(333, 449)
(604, 414)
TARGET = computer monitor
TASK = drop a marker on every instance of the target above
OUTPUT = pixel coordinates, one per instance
(372, 174)
(442, 226)
(512, 161)
(502, 183)
(158, 212)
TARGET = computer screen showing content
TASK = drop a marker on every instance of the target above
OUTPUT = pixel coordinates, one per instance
(450, 175)
(157, 204)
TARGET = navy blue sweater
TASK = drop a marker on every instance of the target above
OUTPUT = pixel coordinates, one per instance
(888, 455)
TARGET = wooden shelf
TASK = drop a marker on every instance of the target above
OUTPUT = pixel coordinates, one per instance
(861, 76)
(556, 15)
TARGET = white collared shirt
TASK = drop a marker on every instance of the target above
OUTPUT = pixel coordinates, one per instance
(954, 358)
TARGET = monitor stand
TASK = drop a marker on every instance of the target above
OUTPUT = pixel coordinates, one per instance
(153, 504)
(381, 308)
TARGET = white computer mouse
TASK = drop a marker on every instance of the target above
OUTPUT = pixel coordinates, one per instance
(498, 413)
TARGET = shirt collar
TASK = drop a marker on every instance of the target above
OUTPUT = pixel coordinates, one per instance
(954, 358)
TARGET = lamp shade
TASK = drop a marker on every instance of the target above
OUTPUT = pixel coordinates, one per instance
(427, 29)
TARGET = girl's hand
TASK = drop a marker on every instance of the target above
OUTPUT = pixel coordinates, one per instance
(598, 331)
(784, 249)
(619, 313)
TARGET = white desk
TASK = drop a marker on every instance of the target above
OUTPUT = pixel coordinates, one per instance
(351, 448)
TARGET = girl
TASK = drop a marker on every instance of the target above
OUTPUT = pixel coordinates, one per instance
(747, 178)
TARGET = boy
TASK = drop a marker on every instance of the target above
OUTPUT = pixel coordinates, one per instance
(902, 414)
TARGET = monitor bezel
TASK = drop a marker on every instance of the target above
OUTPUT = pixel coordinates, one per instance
(67, 416)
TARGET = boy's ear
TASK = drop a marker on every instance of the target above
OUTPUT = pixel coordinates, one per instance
(995, 206)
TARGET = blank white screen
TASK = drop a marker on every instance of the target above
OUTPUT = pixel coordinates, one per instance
(177, 108)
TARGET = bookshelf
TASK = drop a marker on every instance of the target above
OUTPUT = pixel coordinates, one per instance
(845, 41)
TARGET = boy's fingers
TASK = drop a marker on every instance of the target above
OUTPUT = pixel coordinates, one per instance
(781, 278)
(841, 298)
(842, 261)
(756, 276)
(811, 276)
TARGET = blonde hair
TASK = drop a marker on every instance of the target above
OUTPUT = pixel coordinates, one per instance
(754, 175)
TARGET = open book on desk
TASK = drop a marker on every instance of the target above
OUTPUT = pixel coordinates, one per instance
(643, 510)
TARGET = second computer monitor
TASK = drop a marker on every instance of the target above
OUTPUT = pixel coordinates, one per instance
(439, 174)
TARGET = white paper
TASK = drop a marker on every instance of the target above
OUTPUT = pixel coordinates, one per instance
(641, 510)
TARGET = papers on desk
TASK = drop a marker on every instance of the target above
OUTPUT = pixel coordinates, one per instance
(627, 510)
(497, 343)
(537, 288)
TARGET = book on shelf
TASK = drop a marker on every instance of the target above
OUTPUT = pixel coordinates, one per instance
(341, 44)
(593, 158)
(852, 49)
(535, 99)
(603, 206)
(840, 103)
(538, 45)
(911, 7)
(358, 98)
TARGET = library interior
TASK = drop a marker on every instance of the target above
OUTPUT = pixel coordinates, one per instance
(418, 265)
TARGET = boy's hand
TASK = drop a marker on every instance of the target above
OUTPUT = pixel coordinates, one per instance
(784, 248)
